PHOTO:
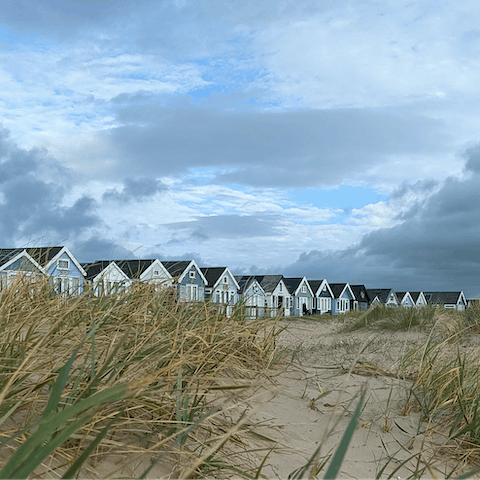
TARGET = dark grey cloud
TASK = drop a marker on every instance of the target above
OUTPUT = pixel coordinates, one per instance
(436, 248)
(98, 248)
(54, 17)
(276, 149)
(226, 226)
(101, 248)
(259, 13)
(33, 187)
(472, 156)
(184, 256)
(49, 13)
(162, 27)
(134, 189)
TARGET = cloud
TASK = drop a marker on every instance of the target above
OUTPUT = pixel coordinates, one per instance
(98, 248)
(228, 227)
(135, 189)
(274, 149)
(33, 188)
(53, 17)
(472, 156)
(168, 28)
(373, 54)
(436, 247)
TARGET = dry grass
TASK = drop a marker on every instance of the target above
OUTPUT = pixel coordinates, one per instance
(135, 385)
(381, 318)
(446, 388)
(177, 372)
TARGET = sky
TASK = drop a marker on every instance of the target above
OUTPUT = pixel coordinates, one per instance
(327, 139)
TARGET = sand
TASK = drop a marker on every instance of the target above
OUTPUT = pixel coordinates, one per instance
(316, 397)
(309, 398)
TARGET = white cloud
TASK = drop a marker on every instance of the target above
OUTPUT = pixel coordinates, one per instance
(49, 96)
(373, 54)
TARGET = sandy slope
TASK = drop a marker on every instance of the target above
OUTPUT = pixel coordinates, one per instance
(301, 411)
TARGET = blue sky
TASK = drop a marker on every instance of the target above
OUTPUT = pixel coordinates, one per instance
(336, 140)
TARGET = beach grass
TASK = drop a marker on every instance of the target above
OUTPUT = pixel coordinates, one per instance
(380, 317)
(134, 384)
(445, 371)
(131, 377)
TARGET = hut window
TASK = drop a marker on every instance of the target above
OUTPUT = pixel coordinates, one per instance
(63, 264)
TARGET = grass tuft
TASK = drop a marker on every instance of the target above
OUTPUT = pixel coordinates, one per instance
(380, 317)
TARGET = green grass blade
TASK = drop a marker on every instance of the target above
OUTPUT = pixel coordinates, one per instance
(342, 448)
(469, 474)
(28, 464)
(55, 421)
(259, 470)
(94, 381)
(10, 412)
(72, 471)
(58, 386)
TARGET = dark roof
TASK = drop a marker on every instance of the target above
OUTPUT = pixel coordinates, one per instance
(442, 298)
(6, 254)
(381, 293)
(400, 295)
(268, 282)
(244, 282)
(292, 284)
(212, 274)
(314, 285)
(357, 289)
(176, 268)
(337, 288)
(93, 269)
(134, 268)
(43, 255)
(415, 296)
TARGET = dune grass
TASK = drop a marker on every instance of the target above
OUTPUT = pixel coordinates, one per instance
(133, 384)
(384, 318)
(445, 371)
(132, 377)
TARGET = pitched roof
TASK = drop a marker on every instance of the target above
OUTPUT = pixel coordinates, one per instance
(176, 268)
(245, 281)
(293, 283)
(381, 293)
(268, 282)
(7, 254)
(442, 298)
(337, 288)
(357, 291)
(314, 285)
(415, 296)
(43, 255)
(94, 268)
(134, 268)
(212, 274)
